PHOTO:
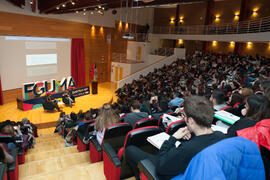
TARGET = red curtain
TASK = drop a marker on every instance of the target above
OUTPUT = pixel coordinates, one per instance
(1, 93)
(78, 61)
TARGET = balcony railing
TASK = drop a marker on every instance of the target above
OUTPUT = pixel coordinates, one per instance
(243, 27)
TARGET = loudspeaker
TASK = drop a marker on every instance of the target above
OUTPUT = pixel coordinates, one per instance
(94, 87)
(114, 11)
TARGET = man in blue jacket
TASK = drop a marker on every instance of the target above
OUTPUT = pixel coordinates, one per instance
(197, 135)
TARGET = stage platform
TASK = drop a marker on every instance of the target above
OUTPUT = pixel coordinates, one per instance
(43, 119)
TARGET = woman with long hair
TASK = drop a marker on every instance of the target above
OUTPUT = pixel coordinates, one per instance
(106, 117)
(257, 109)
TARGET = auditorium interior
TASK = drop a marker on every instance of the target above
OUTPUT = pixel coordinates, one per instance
(86, 87)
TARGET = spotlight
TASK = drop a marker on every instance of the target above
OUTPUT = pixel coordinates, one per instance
(77, 12)
(84, 9)
(84, 13)
(73, 3)
(99, 6)
(57, 7)
(91, 12)
(63, 5)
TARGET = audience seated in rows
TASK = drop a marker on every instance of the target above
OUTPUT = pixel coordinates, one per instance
(226, 80)
(171, 159)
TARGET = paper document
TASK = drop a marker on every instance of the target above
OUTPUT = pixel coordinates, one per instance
(158, 139)
(219, 128)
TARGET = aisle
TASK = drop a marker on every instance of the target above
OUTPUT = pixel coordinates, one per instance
(51, 160)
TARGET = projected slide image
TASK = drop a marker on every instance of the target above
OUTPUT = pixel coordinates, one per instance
(41, 59)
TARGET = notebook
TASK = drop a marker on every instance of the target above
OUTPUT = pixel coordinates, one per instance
(226, 117)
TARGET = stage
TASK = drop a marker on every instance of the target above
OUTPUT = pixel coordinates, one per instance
(44, 119)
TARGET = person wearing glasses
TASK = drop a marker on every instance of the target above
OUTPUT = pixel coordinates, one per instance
(196, 136)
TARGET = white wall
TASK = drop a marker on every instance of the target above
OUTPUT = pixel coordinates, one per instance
(132, 50)
(132, 68)
(253, 37)
(144, 15)
(155, 42)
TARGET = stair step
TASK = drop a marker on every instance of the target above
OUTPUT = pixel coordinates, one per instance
(43, 148)
(48, 135)
(38, 140)
(38, 150)
(51, 165)
(48, 143)
(79, 172)
(50, 154)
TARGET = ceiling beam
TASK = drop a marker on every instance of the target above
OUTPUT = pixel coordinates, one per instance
(45, 6)
(18, 3)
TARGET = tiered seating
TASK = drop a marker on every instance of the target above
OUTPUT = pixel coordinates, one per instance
(145, 122)
(216, 161)
(115, 164)
(114, 134)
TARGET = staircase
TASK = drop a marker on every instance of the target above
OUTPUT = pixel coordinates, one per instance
(51, 160)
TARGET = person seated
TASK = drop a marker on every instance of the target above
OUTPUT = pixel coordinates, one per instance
(106, 117)
(176, 100)
(68, 98)
(5, 157)
(135, 114)
(218, 99)
(196, 136)
(257, 109)
(50, 101)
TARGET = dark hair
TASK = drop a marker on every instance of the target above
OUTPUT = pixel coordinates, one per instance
(136, 104)
(200, 109)
(62, 114)
(73, 116)
(80, 114)
(267, 93)
(265, 83)
(219, 96)
(259, 107)
(236, 98)
(163, 104)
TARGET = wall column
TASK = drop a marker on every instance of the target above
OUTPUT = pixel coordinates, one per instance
(244, 14)
(176, 23)
(208, 18)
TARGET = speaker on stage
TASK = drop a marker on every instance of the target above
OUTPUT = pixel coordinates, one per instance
(94, 87)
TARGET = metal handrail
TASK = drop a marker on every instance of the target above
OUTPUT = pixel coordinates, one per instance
(243, 27)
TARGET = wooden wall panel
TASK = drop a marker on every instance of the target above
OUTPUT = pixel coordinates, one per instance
(96, 46)
(194, 14)
(261, 49)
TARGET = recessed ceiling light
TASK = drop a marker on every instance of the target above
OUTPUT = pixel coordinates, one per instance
(92, 12)
(64, 5)
(57, 8)
(84, 9)
(77, 12)
(99, 6)
(84, 13)
(73, 3)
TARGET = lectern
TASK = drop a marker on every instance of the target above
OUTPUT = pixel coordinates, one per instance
(94, 87)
